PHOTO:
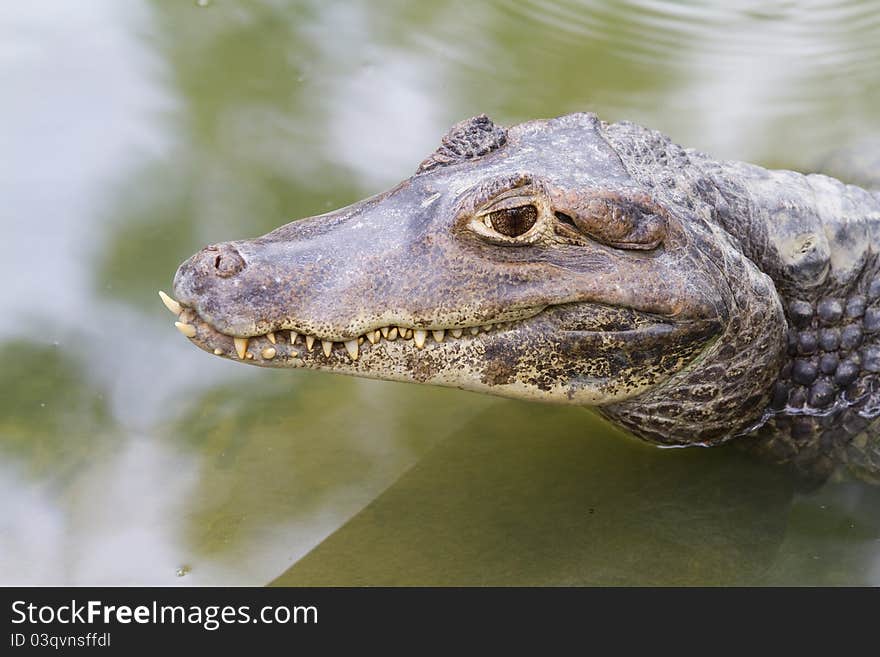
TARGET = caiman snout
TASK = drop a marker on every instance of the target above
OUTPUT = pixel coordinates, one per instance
(207, 269)
(212, 276)
(221, 260)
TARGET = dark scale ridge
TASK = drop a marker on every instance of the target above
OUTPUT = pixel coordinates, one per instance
(466, 140)
(831, 380)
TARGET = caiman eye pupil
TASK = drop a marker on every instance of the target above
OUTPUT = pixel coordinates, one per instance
(513, 222)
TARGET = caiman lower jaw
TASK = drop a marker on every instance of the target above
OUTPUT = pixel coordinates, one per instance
(270, 345)
(573, 353)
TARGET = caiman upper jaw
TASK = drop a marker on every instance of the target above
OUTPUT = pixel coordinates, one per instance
(579, 353)
(192, 326)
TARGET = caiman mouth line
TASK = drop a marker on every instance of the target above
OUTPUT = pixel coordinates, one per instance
(196, 328)
(187, 317)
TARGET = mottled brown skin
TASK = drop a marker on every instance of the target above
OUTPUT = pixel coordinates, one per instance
(687, 299)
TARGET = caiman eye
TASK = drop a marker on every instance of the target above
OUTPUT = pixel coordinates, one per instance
(513, 222)
(624, 223)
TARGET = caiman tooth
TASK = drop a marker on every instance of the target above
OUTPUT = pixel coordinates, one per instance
(385, 331)
(456, 333)
(310, 341)
(439, 335)
(170, 303)
(271, 337)
(351, 346)
(419, 337)
(373, 337)
(486, 327)
(268, 353)
(187, 329)
(293, 336)
(474, 330)
(327, 345)
(405, 333)
(218, 351)
(392, 334)
(241, 345)
(360, 339)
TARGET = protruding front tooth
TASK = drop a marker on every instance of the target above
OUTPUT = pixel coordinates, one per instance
(474, 330)
(271, 337)
(385, 331)
(351, 346)
(293, 336)
(170, 303)
(456, 333)
(187, 329)
(439, 335)
(392, 333)
(268, 353)
(310, 341)
(241, 345)
(373, 337)
(419, 337)
(327, 346)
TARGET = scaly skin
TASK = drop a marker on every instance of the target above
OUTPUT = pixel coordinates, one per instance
(690, 300)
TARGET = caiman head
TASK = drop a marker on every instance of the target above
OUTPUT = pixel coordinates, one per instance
(565, 260)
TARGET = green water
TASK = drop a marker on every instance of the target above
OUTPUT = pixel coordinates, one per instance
(133, 133)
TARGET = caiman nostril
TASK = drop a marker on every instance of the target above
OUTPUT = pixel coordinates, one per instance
(225, 259)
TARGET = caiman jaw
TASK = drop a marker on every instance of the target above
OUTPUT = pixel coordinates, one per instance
(288, 342)
(573, 353)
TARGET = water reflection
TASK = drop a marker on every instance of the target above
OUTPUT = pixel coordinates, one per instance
(286, 461)
(84, 501)
(832, 539)
(539, 500)
(46, 402)
(136, 132)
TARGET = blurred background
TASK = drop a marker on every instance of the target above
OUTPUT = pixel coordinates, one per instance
(133, 133)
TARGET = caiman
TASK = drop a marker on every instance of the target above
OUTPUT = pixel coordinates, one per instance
(692, 301)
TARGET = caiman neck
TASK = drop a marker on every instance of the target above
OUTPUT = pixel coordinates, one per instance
(801, 351)
(724, 392)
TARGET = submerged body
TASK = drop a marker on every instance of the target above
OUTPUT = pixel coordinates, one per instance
(573, 261)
